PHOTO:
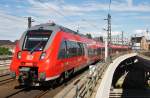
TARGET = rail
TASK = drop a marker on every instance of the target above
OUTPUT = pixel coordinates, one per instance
(4, 70)
(5, 57)
(85, 86)
(5, 61)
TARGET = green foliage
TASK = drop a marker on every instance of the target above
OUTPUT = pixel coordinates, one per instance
(5, 51)
(89, 35)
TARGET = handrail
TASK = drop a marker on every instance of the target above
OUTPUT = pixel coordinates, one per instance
(85, 89)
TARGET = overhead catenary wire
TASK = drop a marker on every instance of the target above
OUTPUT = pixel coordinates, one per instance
(68, 18)
(93, 25)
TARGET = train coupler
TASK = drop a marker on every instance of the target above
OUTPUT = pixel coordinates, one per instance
(28, 76)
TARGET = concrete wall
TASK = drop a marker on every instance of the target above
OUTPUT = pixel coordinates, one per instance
(104, 88)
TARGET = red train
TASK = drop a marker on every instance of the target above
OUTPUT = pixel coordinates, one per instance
(51, 52)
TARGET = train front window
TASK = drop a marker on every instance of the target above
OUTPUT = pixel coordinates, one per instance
(36, 40)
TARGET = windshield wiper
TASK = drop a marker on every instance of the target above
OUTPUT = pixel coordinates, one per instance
(33, 49)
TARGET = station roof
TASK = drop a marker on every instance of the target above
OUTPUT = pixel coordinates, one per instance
(136, 39)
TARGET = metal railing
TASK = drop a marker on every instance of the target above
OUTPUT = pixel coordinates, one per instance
(85, 86)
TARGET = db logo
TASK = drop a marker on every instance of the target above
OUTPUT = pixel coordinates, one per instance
(29, 57)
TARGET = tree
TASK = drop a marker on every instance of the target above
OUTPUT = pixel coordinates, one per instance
(5, 51)
(89, 35)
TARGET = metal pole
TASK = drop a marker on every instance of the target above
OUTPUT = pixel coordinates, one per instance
(29, 22)
(106, 49)
(122, 38)
(108, 39)
(109, 33)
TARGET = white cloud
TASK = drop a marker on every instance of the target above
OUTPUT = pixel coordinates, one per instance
(142, 32)
(12, 27)
(129, 3)
(53, 8)
(41, 8)
(64, 9)
(61, 12)
(120, 6)
(113, 33)
(143, 17)
(57, 11)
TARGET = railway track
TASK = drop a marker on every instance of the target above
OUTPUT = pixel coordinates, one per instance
(2, 82)
(15, 93)
(12, 91)
(4, 70)
(3, 75)
(41, 94)
(4, 62)
(4, 79)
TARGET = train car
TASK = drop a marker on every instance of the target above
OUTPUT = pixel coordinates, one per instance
(50, 52)
(119, 48)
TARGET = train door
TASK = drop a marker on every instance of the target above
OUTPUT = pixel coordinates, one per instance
(72, 54)
(81, 54)
(85, 51)
(62, 57)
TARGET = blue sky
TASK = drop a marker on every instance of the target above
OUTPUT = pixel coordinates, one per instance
(130, 16)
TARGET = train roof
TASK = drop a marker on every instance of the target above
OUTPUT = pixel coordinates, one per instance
(46, 26)
(54, 27)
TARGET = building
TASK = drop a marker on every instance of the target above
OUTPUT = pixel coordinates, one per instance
(148, 44)
(139, 43)
(8, 44)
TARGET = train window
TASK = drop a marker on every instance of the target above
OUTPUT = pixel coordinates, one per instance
(82, 46)
(36, 40)
(62, 51)
(95, 51)
(80, 49)
(75, 48)
(71, 48)
(99, 51)
(91, 52)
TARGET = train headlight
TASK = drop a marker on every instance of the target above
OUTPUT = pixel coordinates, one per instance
(42, 76)
(42, 56)
(19, 55)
